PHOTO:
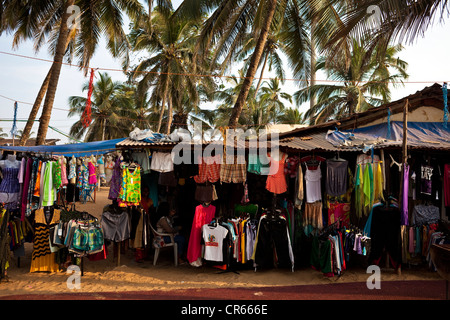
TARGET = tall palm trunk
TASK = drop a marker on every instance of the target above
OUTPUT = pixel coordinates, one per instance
(54, 77)
(169, 115)
(35, 109)
(254, 62)
(37, 103)
(312, 99)
(161, 113)
(261, 75)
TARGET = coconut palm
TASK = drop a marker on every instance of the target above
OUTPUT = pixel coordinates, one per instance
(291, 116)
(226, 26)
(168, 71)
(112, 110)
(54, 20)
(362, 85)
(385, 21)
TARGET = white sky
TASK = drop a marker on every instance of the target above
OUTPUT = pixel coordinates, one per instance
(20, 79)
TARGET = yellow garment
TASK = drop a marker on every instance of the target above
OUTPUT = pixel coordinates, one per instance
(42, 258)
(378, 183)
(242, 233)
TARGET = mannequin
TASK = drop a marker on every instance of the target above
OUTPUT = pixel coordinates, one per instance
(101, 169)
(10, 187)
(10, 162)
(109, 166)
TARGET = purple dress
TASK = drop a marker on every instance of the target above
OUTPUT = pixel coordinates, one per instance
(116, 181)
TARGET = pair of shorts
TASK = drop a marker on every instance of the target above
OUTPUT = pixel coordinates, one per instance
(116, 226)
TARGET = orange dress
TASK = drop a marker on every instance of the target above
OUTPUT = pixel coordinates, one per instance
(276, 183)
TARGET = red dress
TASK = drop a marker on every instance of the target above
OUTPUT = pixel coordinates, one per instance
(203, 215)
(276, 183)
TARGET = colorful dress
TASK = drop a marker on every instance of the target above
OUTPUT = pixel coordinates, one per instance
(130, 193)
(42, 258)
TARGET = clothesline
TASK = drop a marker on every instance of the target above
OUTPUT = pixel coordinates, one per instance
(216, 75)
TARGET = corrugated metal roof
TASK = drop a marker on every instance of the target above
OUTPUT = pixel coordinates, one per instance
(316, 141)
(128, 142)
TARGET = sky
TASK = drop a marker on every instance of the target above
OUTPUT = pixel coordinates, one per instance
(21, 78)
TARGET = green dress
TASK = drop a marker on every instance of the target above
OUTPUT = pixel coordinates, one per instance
(130, 192)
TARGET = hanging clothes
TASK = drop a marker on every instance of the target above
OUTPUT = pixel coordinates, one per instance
(276, 182)
(336, 177)
(162, 161)
(208, 169)
(233, 172)
(116, 181)
(313, 184)
(213, 237)
(130, 193)
(405, 219)
(299, 190)
(42, 257)
(92, 175)
(203, 215)
(447, 184)
(273, 246)
(385, 234)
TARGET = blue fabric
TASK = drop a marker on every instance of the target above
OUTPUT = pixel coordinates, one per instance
(420, 134)
(68, 150)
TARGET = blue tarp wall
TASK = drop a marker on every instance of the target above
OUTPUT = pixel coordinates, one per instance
(68, 150)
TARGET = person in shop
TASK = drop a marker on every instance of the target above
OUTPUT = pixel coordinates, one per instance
(165, 224)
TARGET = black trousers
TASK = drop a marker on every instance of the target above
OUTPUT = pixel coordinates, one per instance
(272, 249)
(385, 235)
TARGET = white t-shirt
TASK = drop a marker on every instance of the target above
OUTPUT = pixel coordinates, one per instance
(213, 237)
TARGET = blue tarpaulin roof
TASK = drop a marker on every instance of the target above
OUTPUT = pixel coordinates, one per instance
(76, 149)
(420, 134)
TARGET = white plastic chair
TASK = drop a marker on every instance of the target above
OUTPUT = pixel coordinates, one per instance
(157, 248)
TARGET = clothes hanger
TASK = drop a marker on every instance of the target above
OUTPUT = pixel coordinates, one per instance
(396, 163)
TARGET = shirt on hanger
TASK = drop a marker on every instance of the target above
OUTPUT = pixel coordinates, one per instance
(213, 237)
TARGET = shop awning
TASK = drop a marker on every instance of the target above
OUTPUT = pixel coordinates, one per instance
(425, 135)
(68, 150)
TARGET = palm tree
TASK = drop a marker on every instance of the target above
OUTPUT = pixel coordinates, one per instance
(360, 86)
(112, 111)
(270, 103)
(291, 116)
(385, 21)
(39, 19)
(168, 71)
(227, 26)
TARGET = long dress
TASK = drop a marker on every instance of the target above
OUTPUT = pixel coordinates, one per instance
(203, 215)
(42, 258)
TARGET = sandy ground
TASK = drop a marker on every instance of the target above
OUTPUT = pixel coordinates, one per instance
(108, 276)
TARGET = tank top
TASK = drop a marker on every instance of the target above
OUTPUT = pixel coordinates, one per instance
(312, 186)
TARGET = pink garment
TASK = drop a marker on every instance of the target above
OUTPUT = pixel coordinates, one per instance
(92, 175)
(64, 181)
(203, 215)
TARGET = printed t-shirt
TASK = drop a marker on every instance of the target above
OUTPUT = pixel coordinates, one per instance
(213, 237)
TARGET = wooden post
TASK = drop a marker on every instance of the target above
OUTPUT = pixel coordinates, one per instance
(405, 133)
